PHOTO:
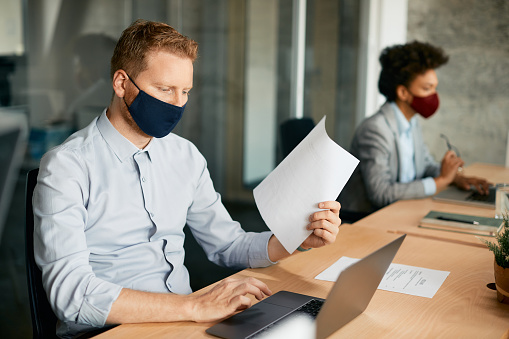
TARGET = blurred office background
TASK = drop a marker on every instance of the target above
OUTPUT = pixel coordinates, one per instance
(260, 63)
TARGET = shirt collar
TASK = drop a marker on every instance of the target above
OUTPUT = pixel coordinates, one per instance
(404, 126)
(122, 147)
(149, 148)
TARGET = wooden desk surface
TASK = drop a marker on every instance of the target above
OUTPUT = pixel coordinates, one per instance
(462, 308)
(494, 173)
(404, 215)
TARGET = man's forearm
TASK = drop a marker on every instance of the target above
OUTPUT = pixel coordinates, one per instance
(222, 300)
(276, 250)
(137, 307)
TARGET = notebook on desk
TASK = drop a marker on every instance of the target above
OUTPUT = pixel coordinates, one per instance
(461, 223)
(348, 298)
(455, 195)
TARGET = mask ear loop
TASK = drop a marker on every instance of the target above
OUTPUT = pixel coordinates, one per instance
(129, 77)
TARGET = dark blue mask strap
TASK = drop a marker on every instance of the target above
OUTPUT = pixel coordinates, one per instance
(133, 81)
(129, 77)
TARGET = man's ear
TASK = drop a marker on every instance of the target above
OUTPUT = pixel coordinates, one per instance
(120, 79)
(402, 93)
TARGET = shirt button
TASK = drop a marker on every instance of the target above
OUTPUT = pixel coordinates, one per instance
(151, 214)
(143, 179)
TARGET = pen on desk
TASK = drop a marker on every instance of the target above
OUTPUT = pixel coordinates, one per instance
(473, 222)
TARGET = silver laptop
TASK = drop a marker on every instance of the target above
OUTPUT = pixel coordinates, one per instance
(348, 298)
(455, 195)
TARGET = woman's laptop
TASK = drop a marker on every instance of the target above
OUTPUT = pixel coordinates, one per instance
(348, 298)
(455, 195)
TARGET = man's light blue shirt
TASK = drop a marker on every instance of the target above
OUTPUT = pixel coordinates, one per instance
(109, 215)
(407, 151)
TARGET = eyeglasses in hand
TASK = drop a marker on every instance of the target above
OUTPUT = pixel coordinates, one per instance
(450, 146)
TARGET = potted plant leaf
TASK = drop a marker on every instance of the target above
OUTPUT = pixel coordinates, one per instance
(500, 248)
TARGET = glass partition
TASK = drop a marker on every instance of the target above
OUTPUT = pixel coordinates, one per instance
(54, 68)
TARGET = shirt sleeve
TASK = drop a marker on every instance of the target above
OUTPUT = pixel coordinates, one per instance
(430, 186)
(60, 198)
(223, 240)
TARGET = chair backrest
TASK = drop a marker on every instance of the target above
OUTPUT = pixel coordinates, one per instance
(292, 133)
(43, 319)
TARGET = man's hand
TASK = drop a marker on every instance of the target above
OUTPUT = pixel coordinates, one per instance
(226, 298)
(482, 185)
(324, 224)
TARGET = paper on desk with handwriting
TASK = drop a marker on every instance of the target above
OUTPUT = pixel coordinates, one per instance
(315, 171)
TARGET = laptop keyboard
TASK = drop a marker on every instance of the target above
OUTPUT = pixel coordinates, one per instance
(489, 198)
(311, 308)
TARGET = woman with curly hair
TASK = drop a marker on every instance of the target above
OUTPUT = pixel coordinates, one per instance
(395, 162)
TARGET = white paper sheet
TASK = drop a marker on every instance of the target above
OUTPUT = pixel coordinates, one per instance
(422, 282)
(315, 171)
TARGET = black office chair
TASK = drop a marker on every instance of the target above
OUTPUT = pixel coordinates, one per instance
(43, 319)
(293, 131)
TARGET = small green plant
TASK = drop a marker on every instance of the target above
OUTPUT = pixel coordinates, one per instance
(500, 248)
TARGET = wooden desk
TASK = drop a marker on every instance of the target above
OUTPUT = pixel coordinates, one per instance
(494, 173)
(404, 215)
(462, 308)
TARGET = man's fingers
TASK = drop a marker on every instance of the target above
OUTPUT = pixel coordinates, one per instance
(261, 285)
(325, 224)
(240, 302)
(228, 297)
(334, 206)
(326, 236)
(252, 286)
(326, 215)
(324, 229)
(245, 288)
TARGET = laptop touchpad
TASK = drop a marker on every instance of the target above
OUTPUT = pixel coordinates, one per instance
(250, 320)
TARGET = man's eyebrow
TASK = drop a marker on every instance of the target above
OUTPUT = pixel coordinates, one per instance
(171, 86)
(163, 84)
